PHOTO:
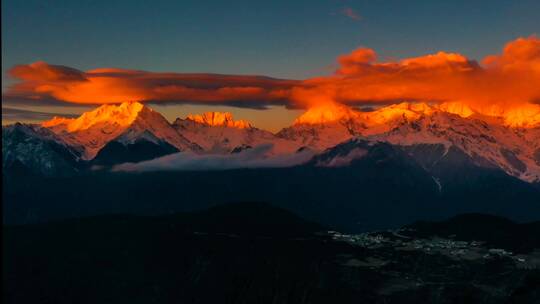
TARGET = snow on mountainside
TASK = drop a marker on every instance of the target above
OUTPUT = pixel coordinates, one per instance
(219, 133)
(324, 126)
(489, 145)
(36, 149)
(515, 150)
(510, 141)
(124, 123)
(218, 119)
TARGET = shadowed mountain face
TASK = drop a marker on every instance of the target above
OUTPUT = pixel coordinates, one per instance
(381, 187)
(116, 153)
(247, 253)
(31, 149)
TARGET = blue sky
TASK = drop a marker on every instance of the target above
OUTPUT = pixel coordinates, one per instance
(289, 39)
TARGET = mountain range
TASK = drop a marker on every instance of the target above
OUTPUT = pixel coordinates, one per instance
(133, 132)
(355, 170)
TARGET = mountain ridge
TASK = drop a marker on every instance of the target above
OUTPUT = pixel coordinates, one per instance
(489, 143)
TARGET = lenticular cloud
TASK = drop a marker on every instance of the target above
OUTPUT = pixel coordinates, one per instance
(501, 83)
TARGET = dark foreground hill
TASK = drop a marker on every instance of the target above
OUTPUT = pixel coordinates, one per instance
(364, 196)
(389, 186)
(495, 231)
(244, 253)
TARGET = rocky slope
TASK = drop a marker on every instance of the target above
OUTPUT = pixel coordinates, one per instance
(217, 132)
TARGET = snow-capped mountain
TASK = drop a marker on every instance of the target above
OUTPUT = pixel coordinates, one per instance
(322, 127)
(126, 124)
(488, 144)
(325, 126)
(487, 140)
(132, 132)
(218, 132)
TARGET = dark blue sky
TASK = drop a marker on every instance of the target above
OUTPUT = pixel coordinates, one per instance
(289, 39)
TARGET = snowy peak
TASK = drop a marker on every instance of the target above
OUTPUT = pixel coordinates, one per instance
(457, 108)
(323, 126)
(152, 126)
(122, 115)
(492, 145)
(494, 137)
(223, 119)
(526, 116)
(327, 125)
(125, 123)
(326, 113)
(333, 112)
(523, 116)
(217, 132)
(496, 140)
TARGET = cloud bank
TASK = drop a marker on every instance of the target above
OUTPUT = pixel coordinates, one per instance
(187, 161)
(509, 79)
(42, 81)
(495, 84)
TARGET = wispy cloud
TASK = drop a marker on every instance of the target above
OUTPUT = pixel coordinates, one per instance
(13, 114)
(351, 13)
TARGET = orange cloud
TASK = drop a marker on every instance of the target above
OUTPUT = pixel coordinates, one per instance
(41, 71)
(354, 62)
(40, 81)
(520, 54)
(502, 83)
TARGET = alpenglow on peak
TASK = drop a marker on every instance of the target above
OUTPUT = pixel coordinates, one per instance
(123, 114)
(224, 119)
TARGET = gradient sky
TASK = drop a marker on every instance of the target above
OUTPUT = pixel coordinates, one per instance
(284, 39)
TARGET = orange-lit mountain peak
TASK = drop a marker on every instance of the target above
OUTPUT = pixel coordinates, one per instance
(123, 115)
(327, 113)
(457, 108)
(410, 107)
(517, 116)
(398, 111)
(55, 121)
(223, 119)
(522, 116)
(525, 116)
(333, 112)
